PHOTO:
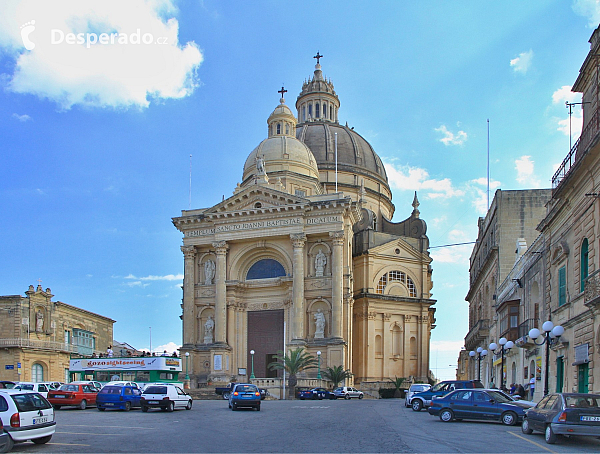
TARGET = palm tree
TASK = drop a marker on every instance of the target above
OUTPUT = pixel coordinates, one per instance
(397, 384)
(336, 375)
(297, 361)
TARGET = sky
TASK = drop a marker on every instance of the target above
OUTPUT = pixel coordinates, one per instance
(96, 131)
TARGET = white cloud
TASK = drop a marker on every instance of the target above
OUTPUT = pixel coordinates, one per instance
(480, 201)
(168, 277)
(589, 9)
(526, 172)
(452, 254)
(522, 63)
(446, 346)
(21, 118)
(169, 347)
(564, 94)
(416, 179)
(98, 75)
(449, 138)
(136, 284)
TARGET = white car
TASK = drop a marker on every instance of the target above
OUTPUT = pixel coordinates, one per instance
(41, 388)
(165, 396)
(26, 415)
(347, 392)
(95, 384)
(415, 388)
(123, 383)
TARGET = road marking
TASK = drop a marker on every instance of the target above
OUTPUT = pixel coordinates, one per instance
(533, 442)
(67, 444)
(312, 406)
(114, 427)
(85, 433)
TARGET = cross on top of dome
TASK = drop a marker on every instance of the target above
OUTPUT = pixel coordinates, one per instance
(318, 57)
(282, 91)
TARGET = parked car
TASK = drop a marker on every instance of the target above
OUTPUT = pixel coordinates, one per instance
(73, 395)
(123, 383)
(316, 393)
(564, 414)
(423, 399)
(414, 389)
(347, 392)
(6, 384)
(95, 384)
(26, 415)
(167, 397)
(120, 397)
(244, 395)
(482, 404)
(4, 438)
(300, 389)
(41, 388)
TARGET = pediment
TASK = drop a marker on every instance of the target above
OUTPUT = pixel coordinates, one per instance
(257, 199)
(397, 248)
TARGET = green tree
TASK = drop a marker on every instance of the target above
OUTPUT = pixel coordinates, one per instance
(397, 384)
(336, 375)
(297, 361)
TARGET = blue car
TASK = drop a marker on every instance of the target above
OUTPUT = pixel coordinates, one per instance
(120, 397)
(316, 393)
(482, 404)
(244, 395)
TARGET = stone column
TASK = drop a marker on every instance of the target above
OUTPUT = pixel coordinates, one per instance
(189, 280)
(298, 242)
(337, 275)
(220, 293)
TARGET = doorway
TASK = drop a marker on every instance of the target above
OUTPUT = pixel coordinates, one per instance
(265, 337)
(582, 378)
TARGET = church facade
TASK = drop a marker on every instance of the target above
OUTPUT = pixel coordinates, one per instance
(304, 254)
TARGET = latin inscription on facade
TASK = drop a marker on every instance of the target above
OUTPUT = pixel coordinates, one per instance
(262, 225)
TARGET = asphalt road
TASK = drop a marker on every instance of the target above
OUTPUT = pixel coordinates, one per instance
(290, 426)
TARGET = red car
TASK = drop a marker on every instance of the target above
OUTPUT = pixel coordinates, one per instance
(73, 394)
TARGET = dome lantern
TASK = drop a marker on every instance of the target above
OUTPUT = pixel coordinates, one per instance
(282, 121)
(317, 101)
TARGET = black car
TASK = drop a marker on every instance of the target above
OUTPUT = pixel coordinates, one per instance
(564, 414)
(423, 399)
(481, 404)
(316, 393)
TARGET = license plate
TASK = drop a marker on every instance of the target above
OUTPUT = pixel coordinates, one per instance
(152, 402)
(59, 397)
(109, 404)
(591, 418)
(40, 420)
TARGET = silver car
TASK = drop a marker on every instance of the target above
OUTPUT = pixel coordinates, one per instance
(416, 388)
(347, 392)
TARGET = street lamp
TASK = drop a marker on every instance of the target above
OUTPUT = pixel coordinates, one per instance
(481, 353)
(187, 357)
(550, 338)
(505, 345)
(319, 358)
(252, 356)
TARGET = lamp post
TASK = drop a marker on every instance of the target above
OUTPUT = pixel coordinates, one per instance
(319, 366)
(505, 345)
(252, 357)
(550, 337)
(187, 357)
(480, 353)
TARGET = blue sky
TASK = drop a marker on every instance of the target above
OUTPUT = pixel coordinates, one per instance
(95, 138)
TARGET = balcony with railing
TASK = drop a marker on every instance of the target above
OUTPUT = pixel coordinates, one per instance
(523, 331)
(20, 342)
(578, 150)
(477, 334)
(592, 290)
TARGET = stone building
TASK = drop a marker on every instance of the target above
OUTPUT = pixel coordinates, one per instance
(39, 336)
(304, 254)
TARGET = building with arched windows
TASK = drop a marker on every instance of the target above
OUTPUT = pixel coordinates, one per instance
(304, 254)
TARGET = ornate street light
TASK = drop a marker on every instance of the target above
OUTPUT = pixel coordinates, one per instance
(550, 337)
(319, 358)
(187, 357)
(252, 356)
(481, 353)
(505, 345)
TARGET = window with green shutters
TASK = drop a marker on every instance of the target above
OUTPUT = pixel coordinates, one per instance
(560, 374)
(584, 264)
(562, 286)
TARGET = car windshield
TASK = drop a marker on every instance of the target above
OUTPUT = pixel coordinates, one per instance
(246, 388)
(499, 397)
(69, 388)
(30, 402)
(439, 386)
(592, 401)
(156, 390)
(27, 386)
(419, 388)
(111, 390)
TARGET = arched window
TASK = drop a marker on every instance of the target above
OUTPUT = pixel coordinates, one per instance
(317, 110)
(584, 263)
(396, 276)
(265, 269)
(378, 350)
(287, 128)
(303, 113)
(331, 112)
(37, 373)
(309, 110)
(278, 128)
(324, 110)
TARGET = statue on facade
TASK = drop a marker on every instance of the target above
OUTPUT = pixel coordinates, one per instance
(209, 272)
(320, 262)
(319, 324)
(39, 321)
(209, 327)
(260, 165)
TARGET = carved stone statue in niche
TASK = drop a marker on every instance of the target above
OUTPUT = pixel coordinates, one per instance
(209, 327)
(209, 272)
(39, 321)
(319, 324)
(320, 262)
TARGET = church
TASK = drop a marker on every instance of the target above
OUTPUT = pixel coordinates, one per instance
(304, 254)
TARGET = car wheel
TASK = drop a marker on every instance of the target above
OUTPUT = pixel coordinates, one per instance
(509, 418)
(226, 395)
(42, 440)
(144, 409)
(101, 408)
(56, 407)
(446, 415)
(360, 396)
(417, 405)
(233, 407)
(550, 435)
(83, 405)
(9, 445)
(347, 396)
(258, 407)
(189, 405)
(171, 406)
(127, 406)
(525, 427)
